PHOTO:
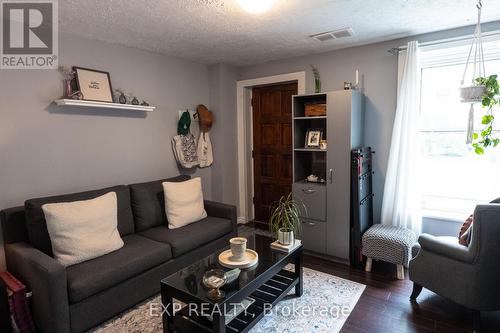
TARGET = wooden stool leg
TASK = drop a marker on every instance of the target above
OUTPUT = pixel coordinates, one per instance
(368, 267)
(401, 272)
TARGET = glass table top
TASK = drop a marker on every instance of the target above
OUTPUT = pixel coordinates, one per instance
(190, 279)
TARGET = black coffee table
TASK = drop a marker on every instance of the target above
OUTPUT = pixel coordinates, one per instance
(267, 283)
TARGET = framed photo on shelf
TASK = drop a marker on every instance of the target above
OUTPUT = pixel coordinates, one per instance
(93, 84)
(313, 138)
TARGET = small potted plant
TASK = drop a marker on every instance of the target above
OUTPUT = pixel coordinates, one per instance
(285, 219)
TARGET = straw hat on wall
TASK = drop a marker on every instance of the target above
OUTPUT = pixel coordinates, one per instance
(206, 118)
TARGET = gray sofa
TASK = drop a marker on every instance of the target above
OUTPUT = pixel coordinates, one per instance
(79, 297)
(469, 275)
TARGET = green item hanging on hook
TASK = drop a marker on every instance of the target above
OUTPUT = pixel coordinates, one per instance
(184, 123)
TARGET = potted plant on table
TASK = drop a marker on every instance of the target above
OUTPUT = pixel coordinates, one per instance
(285, 219)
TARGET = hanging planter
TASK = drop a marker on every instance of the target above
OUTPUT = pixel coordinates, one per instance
(474, 93)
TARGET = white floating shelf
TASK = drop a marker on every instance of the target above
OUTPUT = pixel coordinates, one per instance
(118, 106)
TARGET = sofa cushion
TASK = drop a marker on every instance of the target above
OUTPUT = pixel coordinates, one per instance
(184, 202)
(37, 226)
(138, 255)
(83, 230)
(148, 203)
(190, 237)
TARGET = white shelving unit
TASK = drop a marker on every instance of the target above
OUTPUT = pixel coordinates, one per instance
(104, 105)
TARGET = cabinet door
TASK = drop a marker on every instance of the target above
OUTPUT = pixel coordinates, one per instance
(338, 173)
(314, 235)
(313, 196)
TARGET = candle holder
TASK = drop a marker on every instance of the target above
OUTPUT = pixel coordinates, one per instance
(215, 279)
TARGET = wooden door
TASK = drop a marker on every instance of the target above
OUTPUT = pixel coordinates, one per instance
(272, 146)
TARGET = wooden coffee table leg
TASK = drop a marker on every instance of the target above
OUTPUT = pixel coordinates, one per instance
(299, 287)
(168, 314)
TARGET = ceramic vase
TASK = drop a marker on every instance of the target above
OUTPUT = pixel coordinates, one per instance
(285, 236)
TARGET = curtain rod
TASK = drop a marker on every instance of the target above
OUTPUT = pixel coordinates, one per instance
(396, 50)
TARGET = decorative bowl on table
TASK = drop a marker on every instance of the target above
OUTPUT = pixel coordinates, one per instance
(215, 279)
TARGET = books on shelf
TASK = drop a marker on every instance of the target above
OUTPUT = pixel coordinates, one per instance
(285, 248)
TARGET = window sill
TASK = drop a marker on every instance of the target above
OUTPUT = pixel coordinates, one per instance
(444, 216)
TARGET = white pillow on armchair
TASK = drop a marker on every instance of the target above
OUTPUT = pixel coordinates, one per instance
(183, 202)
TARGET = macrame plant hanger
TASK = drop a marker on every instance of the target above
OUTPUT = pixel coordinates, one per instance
(474, 93)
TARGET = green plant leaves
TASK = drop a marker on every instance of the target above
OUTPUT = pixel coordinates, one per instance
(285, 213)
(490, 99)
(487, 119)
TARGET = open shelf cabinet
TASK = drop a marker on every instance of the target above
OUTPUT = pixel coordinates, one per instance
(326, 225)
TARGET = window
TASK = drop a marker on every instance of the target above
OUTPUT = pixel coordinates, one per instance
(454, 179)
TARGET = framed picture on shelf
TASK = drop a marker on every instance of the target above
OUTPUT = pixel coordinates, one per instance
(313, 138)
(93, 84)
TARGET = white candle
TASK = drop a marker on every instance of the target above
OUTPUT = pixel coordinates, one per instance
(357, 80)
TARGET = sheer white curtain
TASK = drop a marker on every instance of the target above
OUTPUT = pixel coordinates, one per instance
(401, 202)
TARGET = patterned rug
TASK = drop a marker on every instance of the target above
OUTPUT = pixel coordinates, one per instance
(324, 307)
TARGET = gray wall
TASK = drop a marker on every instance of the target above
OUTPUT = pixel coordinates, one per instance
(378, 71)
(46, 150)
(223, 101)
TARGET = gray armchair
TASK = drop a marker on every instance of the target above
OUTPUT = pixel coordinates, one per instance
(469, 275)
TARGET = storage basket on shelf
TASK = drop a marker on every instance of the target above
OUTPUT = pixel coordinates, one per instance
(315, 110)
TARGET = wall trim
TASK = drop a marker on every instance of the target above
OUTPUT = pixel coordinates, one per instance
(243, 93)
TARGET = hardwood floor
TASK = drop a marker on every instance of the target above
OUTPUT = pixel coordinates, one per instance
(385, 306)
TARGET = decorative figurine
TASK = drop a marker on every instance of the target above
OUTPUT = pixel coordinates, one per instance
(122, 99)
(144, 103)
(135, 101)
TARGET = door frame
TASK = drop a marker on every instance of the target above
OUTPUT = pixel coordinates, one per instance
(245, 135)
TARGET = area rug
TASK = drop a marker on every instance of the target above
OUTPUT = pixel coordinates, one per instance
(324, 307)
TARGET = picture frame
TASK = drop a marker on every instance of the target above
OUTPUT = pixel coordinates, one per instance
(313, 138)
(95, 85)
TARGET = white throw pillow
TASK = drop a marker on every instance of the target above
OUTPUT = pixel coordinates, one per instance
(83, 230)
(184, 202)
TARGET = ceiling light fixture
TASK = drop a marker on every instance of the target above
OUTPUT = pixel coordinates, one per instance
(256, 6)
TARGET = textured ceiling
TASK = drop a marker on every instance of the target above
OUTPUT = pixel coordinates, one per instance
(214, 31)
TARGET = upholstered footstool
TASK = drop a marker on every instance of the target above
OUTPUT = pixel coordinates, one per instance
(389, 244)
